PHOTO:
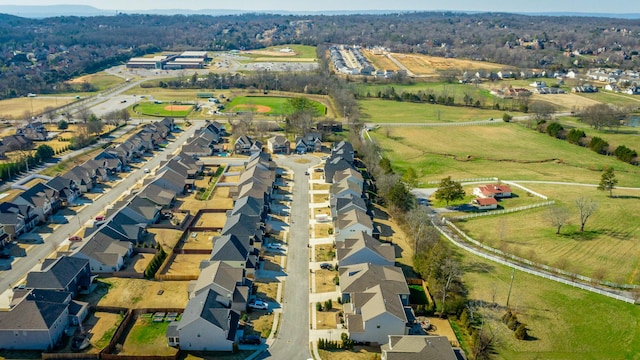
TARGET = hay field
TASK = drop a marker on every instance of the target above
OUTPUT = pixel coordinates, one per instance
(565, 102)
(17, 108)
(432, 65)
(380, 62)
(388, 111)
(508, 151)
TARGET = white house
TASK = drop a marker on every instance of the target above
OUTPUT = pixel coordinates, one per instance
(485, 203)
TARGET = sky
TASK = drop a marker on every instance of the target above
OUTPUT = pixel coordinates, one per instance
(521, 6)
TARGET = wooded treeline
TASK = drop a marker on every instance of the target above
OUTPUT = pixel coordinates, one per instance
(36, 55)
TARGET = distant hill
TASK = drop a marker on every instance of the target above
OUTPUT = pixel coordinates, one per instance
(33, 11)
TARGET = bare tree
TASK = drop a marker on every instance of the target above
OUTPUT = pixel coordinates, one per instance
(84, 113)
(586, 208)
(50, 113)
(448, 273)
(558, 216)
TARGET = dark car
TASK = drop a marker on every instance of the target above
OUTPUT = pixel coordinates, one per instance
(5, 256)
(75, 238)
(326, 266)
(251, 340)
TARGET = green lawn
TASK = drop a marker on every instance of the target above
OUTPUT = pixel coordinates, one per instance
(389, 111)
(276, 105)
(609, 97)
(162, 110)
(148, 338)
(302, 52)
(603, 250)
(507, 151)
(564, 322)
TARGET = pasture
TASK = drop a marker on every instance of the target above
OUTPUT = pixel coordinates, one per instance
(388, 111)
(100, 81)
(433, 65)
(25, 107)
(507, 151)
(150, 108)
(601, 251)
(563, 322)
(282, 53)
(381, 61)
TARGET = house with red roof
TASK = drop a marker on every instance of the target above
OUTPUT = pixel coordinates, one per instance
(492, 191)
(485, 203)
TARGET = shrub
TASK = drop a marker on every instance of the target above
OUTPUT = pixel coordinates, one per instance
(318, 306)
(598, 145)
(507, 117)
(328, 305)
(554, 129)
(521, 332)
(575, 135)
(625, 154)
(513, 323)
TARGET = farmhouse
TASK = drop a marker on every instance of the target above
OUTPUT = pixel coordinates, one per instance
(485, 203)
(493, 191)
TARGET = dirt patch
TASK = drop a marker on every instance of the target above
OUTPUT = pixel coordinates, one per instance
(262, 109)
(139, 262)
(358, 353)
(139, 293)
(322, 230)
(168, 238)
(183, 264)
(212, 220)
(177, 107)
(329, 319)
(98, 324)
(302, 161)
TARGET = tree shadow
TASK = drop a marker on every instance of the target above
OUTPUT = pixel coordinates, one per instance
(480, 268)
(583, 236)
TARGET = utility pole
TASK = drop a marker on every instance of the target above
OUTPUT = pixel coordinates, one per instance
(513, 272)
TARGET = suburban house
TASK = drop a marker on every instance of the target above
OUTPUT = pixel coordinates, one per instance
(206, 325)
(17, 219)
(341, 205)
(142, 210)
(488, 203)
(16, 142)
(375, 313)
(160, 196)
(334, 165)
(250, 206)
(243, 145)
(67, 189)
(359, 277)
(310, 142)
(4, 237)
(345, 188)
(231, 249)
(62, 274)
(343, 149)
(105, 254)
(229, 282)
(363, 248)
(44, 200)
(170, 180)
(34, 131)
(351, 223)
(278, 145)
(81, 177)
(492, 190)
(351, 175)
(35, 322)
(123, 227)
(409, 347)
(198, 147)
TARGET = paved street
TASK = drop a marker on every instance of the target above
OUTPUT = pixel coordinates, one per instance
(292, 340)
(23, 265)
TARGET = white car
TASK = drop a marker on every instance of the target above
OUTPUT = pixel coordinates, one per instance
(274, 246)
(258, 305)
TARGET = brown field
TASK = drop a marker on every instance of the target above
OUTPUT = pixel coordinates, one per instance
(320, 186)
(443, 328)
(212, 220)
(280, 59)
(381, 62)
(325, 252)
(320, 198)
(168, 238)
(139, 293)
(216, 202)
(324, 280)
(177, 107)
(322, 211)
(267, 289)
(200, 240)
(431, 65)
(262, 323)
(17, 108)
(565, 101)
(271, 53)
(98, 324)
(184, 264)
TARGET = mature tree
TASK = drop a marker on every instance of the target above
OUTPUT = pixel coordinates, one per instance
(125, 115)
(445, 275)
(575, 135)
(541, 110)
(63, 125)
(94, 125)
(586, 208)
(84, 113)
(449, 190)
(608, 181)
(558, 216)
(602, 115)
(410, 177)
(400, 197)
(44, 152)
(625, 154)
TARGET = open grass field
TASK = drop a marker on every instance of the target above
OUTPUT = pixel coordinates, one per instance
(565, 102)
(623, 100)
(431, 65)
(152, 109)
(388, 111)
(624, 135)
(268, 105)
(100, 81)
(507, 151)
(23, 107)
(564, 322)
(147, 338)
(608, 249)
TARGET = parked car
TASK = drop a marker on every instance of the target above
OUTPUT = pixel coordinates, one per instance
(318, 169)
(326, 266)
(274, 246)
(5, 256)
(306, 173)
(251, 340)
(99, 218)
(75, 238)
(146, 171)
(258, 305)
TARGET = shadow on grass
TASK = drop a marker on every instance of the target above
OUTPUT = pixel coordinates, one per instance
(584, 235)
(480, 268)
